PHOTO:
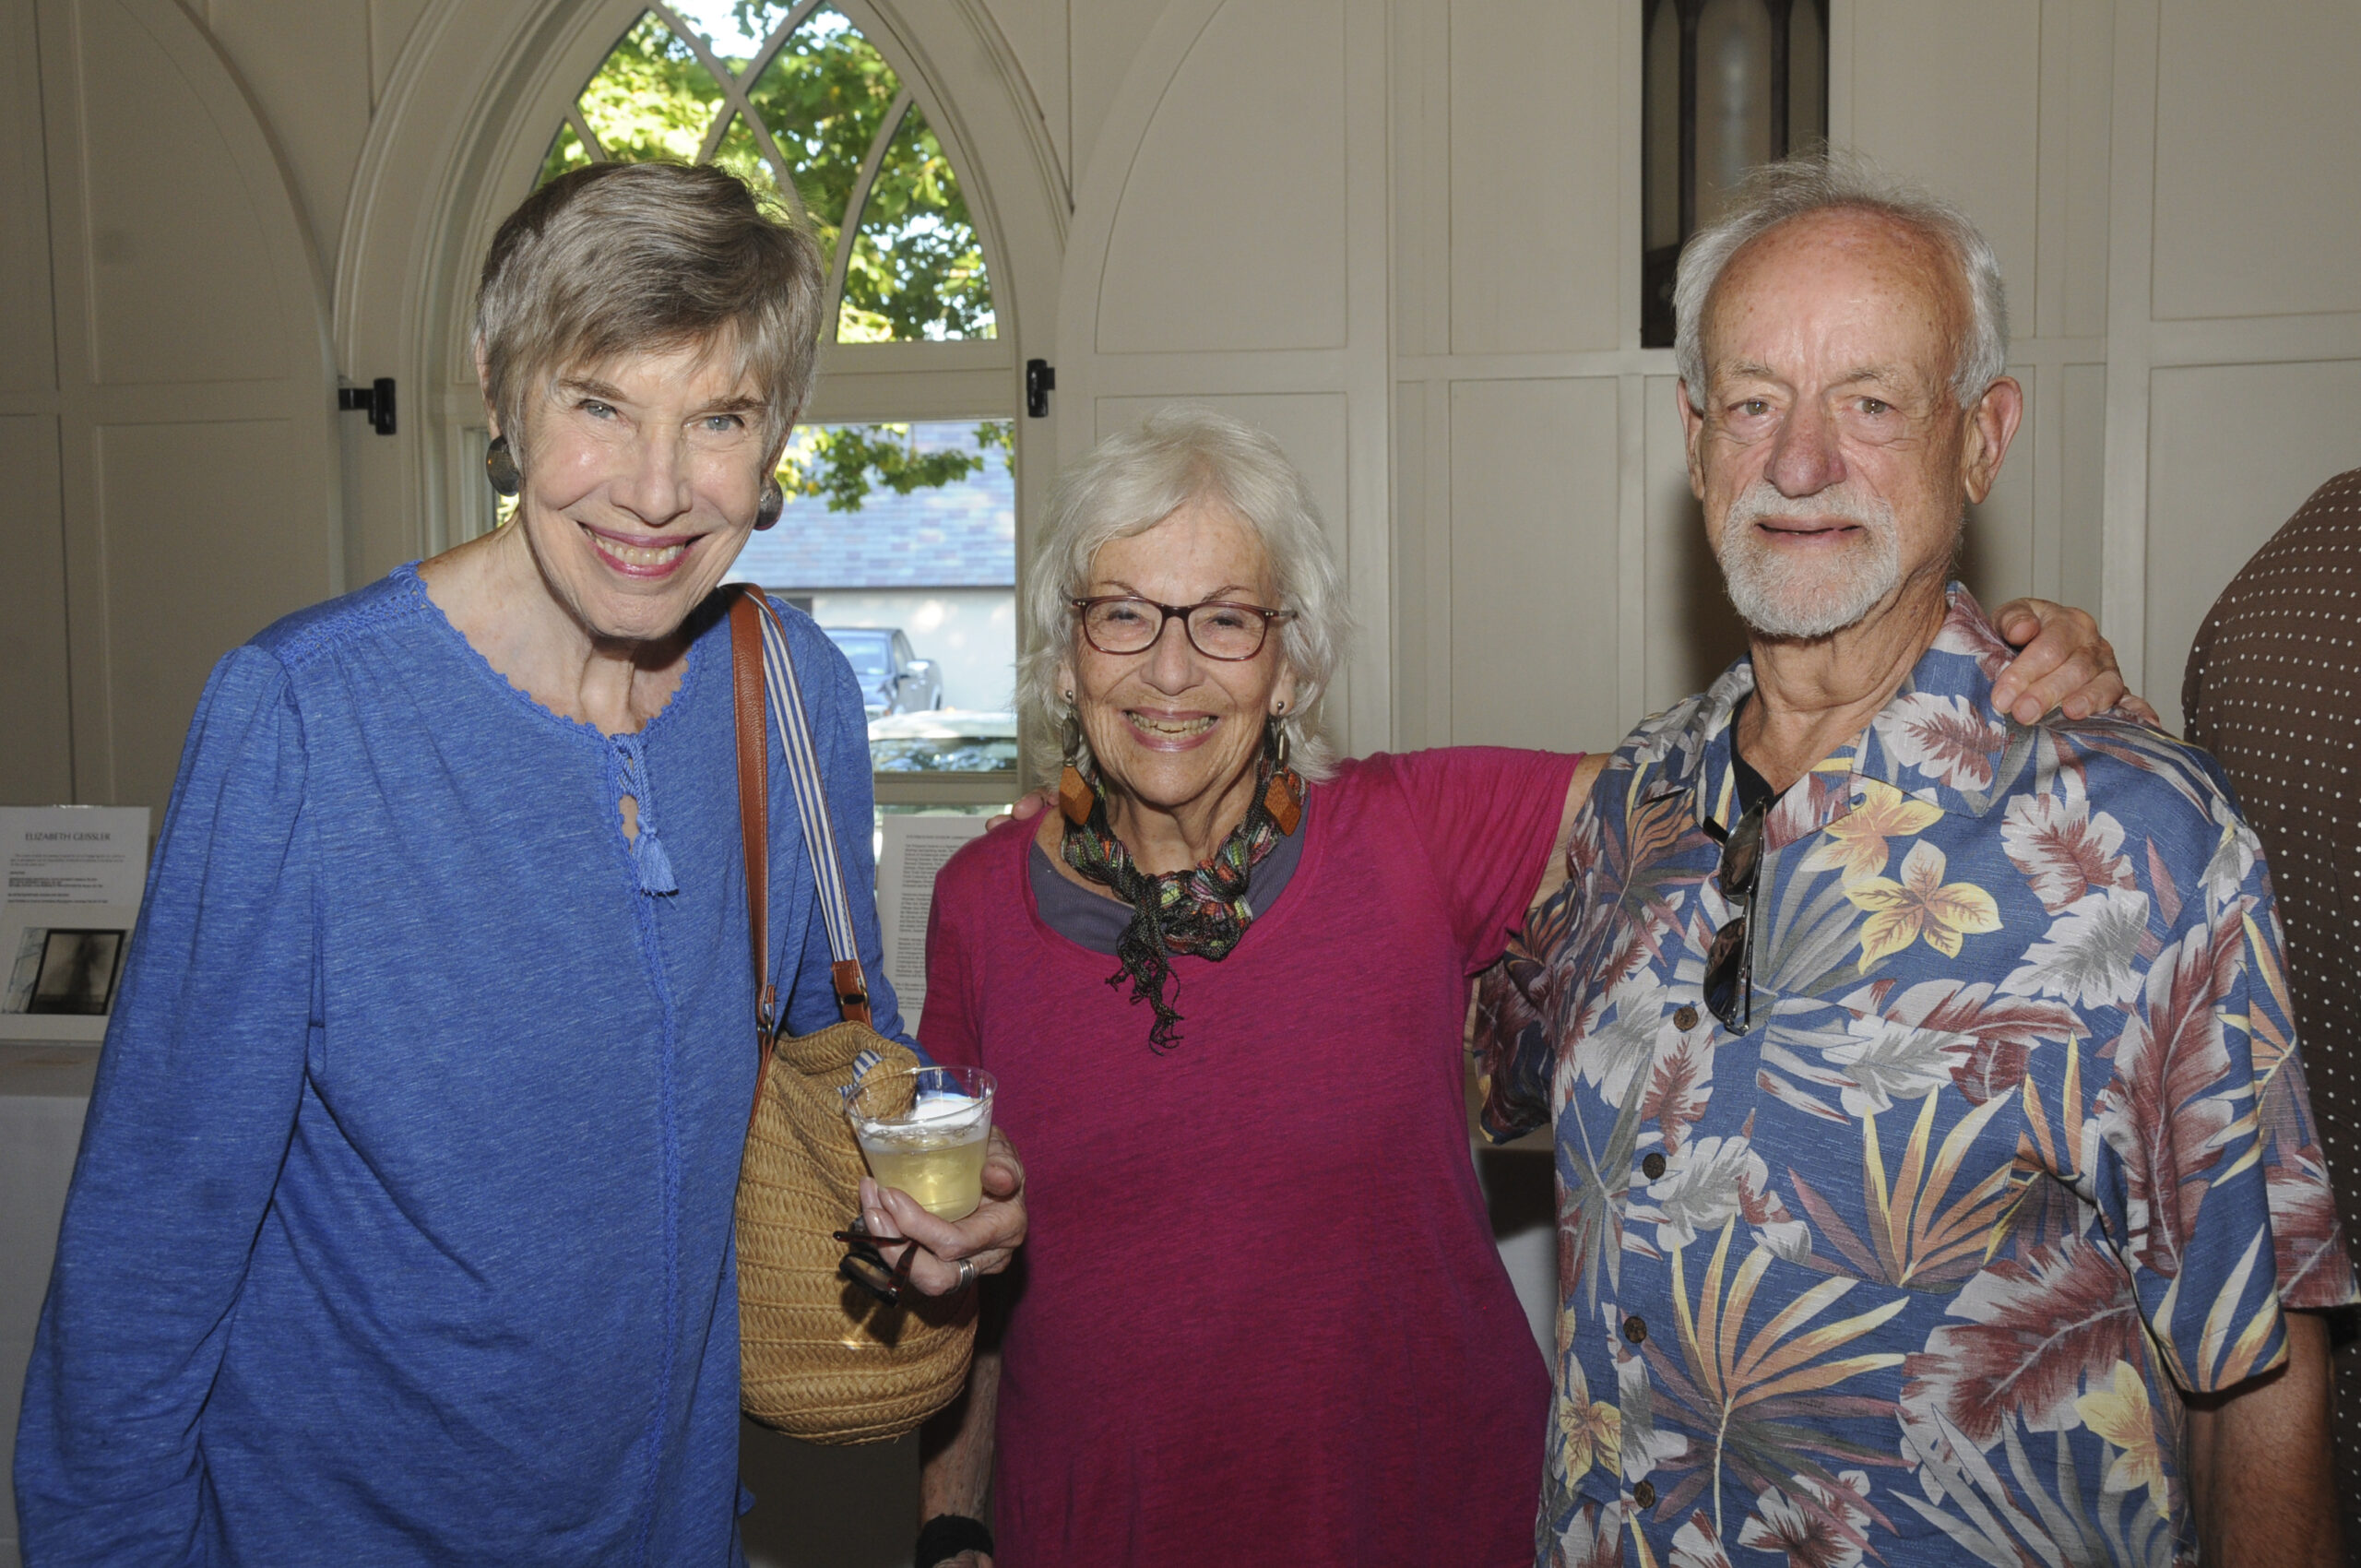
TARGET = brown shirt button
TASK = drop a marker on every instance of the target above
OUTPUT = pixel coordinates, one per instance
(1635, 1328)
(1684, 1019)
(1644, 1494)
(1652, 1166)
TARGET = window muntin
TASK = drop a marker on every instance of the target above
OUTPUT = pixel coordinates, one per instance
(794, 101)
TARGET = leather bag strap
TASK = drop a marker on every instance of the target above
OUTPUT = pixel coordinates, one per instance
(761, 668)
(753, 797)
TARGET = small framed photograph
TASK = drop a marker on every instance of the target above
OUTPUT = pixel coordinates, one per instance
(77, 972)
(60, 967)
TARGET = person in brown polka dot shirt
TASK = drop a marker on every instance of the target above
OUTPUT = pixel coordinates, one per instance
(2273, 691)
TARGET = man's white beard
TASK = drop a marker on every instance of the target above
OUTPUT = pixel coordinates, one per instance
(1792, 593)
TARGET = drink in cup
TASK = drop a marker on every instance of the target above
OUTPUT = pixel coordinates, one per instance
(925, 1129)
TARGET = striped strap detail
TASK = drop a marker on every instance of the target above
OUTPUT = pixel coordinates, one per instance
(811, 804)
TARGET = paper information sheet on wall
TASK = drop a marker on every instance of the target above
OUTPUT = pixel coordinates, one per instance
(915, 848)
(73, 876)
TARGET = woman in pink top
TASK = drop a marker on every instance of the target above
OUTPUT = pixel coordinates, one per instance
(1260, 1318)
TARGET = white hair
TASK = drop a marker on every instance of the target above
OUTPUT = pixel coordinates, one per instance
(1833, 181)
(1126, 485)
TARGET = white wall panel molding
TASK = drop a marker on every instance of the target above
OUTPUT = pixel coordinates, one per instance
(1419, 153)
(1512, 367)
(1632, 606)
(1534, 519)
(1521, 514)
(2123, 594)
(2258, 203)
(2230, 392)
(1189, 376)
(1230, 231)
(27, 315)
(1233, 250)
(1979, 148)
(196, 414)
(2067, 288)
(2252, 340)
(1539, 139)
(2233, 449)
(36, 716)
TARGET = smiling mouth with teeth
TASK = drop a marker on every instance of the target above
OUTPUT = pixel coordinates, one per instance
(642, 555)
(1169, 726)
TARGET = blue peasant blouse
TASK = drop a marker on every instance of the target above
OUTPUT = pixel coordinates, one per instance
(401, 1228)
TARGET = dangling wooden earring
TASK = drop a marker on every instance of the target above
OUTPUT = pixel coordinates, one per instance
(1073, 789)
(500, 467)
(1284, 799)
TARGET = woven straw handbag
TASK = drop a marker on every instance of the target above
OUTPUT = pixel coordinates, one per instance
(819, 1357)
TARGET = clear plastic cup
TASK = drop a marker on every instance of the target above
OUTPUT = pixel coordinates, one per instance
(925, 1129)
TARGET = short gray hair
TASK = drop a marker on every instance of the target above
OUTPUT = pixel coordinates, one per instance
(1126, 485)
(621, 257)
(1837, 181)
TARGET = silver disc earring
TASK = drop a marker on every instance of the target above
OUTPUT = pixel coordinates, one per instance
(500, 467)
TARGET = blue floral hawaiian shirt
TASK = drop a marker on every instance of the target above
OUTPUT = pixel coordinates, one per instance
(2015, 1147)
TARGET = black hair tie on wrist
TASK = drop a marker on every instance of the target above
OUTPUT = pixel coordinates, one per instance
(946, 1535)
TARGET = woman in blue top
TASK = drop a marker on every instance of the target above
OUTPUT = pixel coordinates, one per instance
(401, 1228)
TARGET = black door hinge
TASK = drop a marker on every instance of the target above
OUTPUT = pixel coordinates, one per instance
(1041, 380)
(376, 400)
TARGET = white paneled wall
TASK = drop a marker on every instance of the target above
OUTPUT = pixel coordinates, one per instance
(2257, 181)
(1229, 231)
(1230, 247)
(170, 424)
(2238, 448)
(1532, 600)
(2235, 340)
(1419, 214)
(2157, 231)
(1519, 122)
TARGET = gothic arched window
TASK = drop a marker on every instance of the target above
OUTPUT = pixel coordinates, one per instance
(797, 103)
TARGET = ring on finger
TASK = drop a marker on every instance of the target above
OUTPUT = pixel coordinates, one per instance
(967, 1274)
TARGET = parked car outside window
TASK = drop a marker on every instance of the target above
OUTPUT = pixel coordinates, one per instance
(893, 679)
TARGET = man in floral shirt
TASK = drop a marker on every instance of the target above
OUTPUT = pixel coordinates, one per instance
(1934, 1162)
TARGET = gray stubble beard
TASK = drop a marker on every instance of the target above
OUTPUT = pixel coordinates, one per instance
(1789, 599)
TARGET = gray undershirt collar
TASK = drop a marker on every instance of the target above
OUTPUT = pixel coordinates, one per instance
(1093, 921)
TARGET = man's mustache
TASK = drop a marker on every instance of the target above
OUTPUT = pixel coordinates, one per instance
(1761, 501)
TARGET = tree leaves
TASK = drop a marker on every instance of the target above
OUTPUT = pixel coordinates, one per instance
(841, 464)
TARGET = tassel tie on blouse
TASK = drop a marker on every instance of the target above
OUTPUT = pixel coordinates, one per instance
(648, 856)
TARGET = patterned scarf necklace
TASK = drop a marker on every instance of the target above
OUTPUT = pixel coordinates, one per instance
(1201, 910)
